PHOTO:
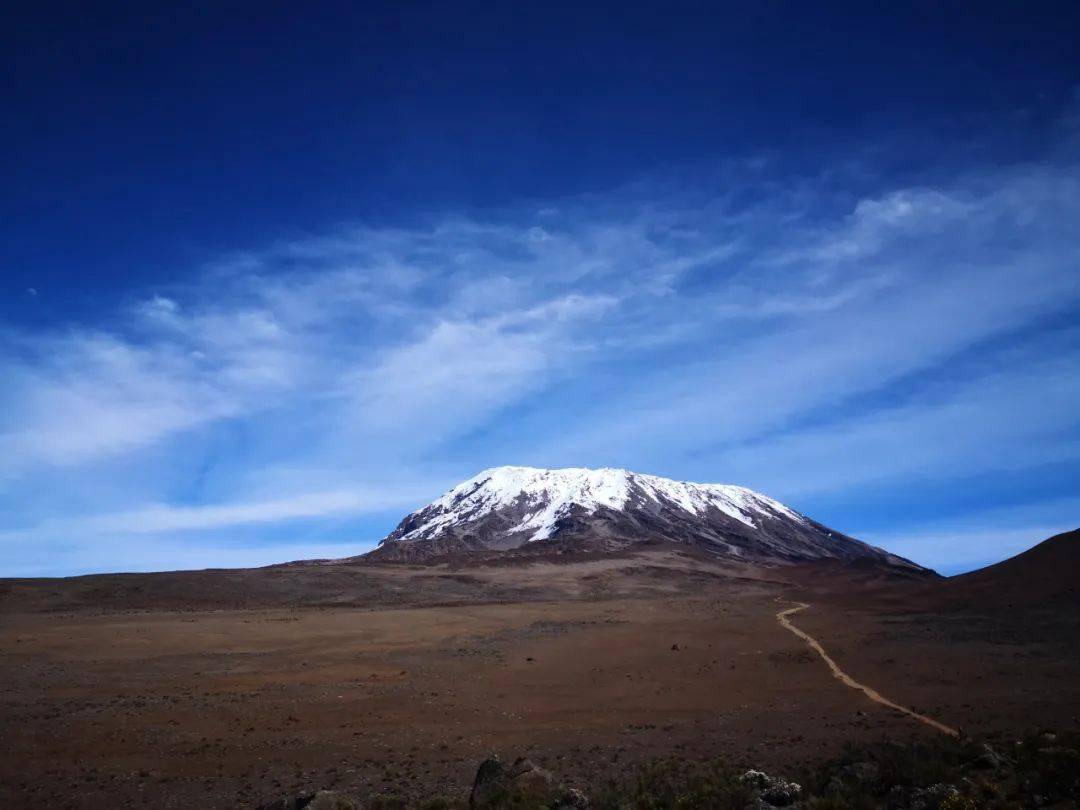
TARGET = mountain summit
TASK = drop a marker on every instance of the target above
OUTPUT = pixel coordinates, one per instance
(579, 509)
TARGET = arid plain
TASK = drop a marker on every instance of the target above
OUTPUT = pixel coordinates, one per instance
(225, 689)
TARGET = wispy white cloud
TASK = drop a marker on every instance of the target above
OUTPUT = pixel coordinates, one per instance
(988, 271)
(455, 376)
(163, 536)
(1018, 416)
(74, 398)
(163, 518)
(715, 339)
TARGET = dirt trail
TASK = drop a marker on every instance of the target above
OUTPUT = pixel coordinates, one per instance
(843, 677)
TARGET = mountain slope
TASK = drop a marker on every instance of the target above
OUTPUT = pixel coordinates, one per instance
(1044, 574)
(507, 508)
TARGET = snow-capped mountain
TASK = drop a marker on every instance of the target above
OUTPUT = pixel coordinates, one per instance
(581, 509)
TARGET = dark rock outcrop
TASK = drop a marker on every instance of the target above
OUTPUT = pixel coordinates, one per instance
(523, 784)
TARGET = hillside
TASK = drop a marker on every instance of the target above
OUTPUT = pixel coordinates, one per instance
(1044, 574)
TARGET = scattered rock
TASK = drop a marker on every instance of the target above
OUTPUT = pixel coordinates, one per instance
(772, 791)
(522, 784)
(531, 780)
(490, 779)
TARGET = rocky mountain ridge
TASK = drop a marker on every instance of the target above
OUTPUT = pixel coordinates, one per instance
(515, 509)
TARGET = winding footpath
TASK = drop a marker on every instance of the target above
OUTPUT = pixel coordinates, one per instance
(846, 679)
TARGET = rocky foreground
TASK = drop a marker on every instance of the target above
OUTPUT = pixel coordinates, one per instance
(1041, 770)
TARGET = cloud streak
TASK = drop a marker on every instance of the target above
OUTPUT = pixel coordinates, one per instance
(162, 518)
(799, 341)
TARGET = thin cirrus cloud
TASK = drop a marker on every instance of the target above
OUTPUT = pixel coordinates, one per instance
(148, 538)
(164, 518)
(461, 372)
(1019, 417)
(934, 284)
(800, 342)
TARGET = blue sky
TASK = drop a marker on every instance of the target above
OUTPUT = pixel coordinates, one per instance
(272, 279)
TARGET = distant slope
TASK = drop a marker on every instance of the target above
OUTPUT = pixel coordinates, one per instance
(1047, 573)
(525, 510)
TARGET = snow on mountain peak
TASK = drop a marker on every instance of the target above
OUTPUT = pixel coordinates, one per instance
(549, 495)
(505, 509)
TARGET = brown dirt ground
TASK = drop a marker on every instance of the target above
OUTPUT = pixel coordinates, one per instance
(127, 692)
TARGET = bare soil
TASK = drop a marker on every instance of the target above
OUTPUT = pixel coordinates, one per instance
(226, 689)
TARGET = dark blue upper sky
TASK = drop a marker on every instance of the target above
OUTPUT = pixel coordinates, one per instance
(138, 136)
(446, 168)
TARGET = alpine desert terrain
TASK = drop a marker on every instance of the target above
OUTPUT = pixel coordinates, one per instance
(590, 620)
